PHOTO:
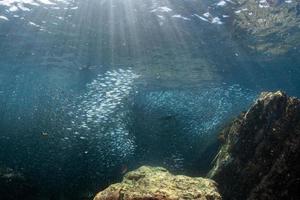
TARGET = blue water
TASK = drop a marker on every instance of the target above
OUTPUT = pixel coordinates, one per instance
(91, 89)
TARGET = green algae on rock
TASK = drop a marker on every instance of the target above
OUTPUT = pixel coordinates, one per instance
(260, 155)
(156, 183)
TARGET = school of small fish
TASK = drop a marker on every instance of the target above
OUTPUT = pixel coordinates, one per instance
(101, 113)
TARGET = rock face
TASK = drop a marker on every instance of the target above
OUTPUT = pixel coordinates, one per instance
(156, 183)
(270, 27)
(260, 157)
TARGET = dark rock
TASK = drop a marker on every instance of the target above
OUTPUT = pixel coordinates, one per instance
(13, 185)
(260, 158)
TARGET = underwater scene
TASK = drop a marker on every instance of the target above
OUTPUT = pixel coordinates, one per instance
(149, 99)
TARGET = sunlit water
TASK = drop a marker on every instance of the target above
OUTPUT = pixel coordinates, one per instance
(89, 89)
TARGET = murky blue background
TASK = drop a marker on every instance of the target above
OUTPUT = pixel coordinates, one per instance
(90, 89)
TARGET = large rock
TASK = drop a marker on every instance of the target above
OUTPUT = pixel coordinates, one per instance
(156, 183)
(260, 157)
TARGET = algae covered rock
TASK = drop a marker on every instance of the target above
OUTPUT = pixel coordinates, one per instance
(157, 183)
(271, 27)
(260, 155)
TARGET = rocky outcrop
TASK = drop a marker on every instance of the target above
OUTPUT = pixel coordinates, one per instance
(270, 27)
(260, 156)
(156, 183)
(13, 185)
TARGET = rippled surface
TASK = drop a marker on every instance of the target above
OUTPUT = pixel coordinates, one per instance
(91, 89)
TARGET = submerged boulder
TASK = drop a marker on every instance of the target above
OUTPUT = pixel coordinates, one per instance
(157, 183)
(260, 155)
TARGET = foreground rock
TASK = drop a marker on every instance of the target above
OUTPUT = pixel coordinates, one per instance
(260, 157)
(156, 183)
